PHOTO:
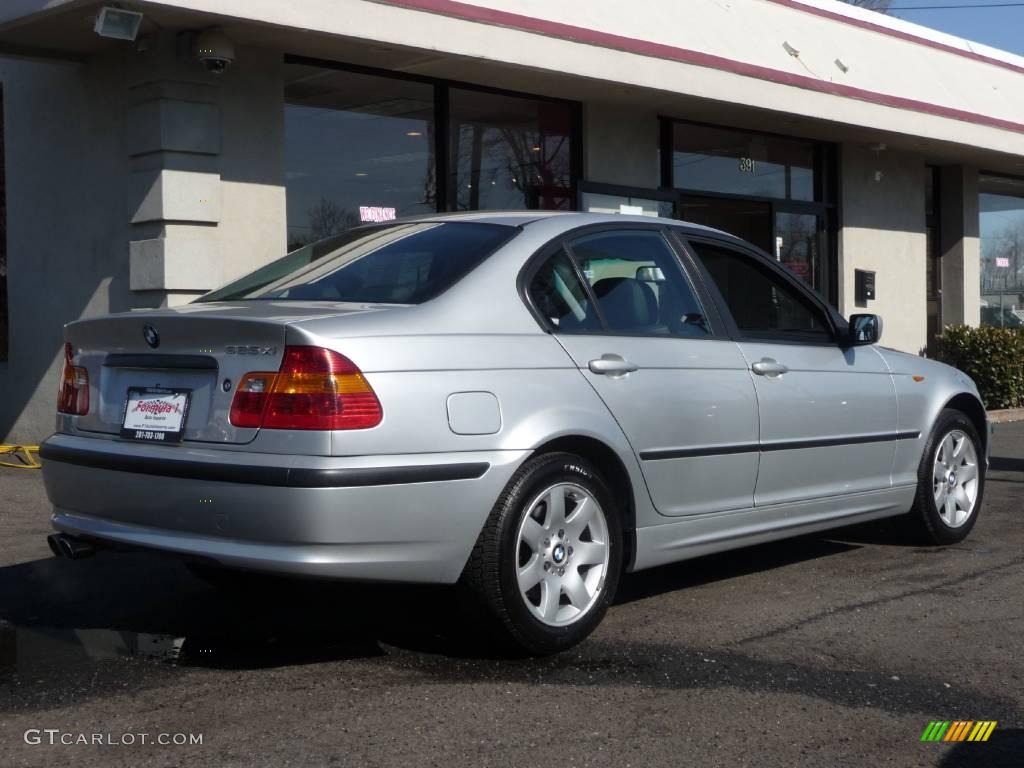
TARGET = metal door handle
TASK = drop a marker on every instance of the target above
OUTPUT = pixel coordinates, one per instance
(768, 367)
(613, 365)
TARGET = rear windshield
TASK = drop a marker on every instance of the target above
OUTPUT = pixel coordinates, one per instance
(394, 264)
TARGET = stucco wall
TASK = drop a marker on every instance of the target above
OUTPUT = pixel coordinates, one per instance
(67, 223)
(882, 219)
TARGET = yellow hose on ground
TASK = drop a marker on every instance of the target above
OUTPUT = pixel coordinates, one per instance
(23, 454)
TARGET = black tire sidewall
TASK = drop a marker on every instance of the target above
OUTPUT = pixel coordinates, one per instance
(948, 421)
(529, 631)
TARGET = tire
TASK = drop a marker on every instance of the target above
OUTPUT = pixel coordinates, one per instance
(524, 534)
(954, 446)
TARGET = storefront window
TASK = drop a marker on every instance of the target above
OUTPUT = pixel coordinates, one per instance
(509, 152)
(1002, 251)
(364, 147)
(772, 191)
(734, 162)
(357, 148)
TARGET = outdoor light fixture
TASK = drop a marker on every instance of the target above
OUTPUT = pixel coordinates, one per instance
(117, 23)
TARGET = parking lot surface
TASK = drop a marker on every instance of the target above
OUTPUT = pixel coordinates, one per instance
(828, 650)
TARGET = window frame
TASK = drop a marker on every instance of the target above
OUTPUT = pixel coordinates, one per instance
(717, 330)
(837, 331)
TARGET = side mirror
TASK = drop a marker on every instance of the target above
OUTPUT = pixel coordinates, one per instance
(865, 329)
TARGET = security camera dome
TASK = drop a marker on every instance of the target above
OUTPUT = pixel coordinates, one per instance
(215, 50)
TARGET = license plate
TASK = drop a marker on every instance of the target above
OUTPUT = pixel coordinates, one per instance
(155, 415)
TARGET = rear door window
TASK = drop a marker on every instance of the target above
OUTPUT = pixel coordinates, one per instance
(406, 263)
(638, 284)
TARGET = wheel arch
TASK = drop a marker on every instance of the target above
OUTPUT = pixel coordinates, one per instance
(972, 407)
(613, 470)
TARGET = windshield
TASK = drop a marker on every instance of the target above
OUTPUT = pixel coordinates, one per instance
(394, 264)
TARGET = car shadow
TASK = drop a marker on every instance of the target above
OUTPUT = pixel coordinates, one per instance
(60, 613)
(91, 628)
(727, 565)
(1004, 749)
(1006, 464)
(151, 606)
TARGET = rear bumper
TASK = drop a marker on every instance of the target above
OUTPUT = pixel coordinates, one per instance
(408, 518)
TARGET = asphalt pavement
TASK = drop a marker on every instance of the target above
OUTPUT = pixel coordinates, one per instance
(828, 650)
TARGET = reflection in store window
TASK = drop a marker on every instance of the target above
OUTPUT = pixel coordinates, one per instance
(796, 245)
(1002, 251)
(357, 148)
(509, 152)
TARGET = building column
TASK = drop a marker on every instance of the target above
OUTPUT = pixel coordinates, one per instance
(960, 245)
(173, 143)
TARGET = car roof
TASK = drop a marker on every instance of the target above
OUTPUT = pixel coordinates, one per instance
(571, 219)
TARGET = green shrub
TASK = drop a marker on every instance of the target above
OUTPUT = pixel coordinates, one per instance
(993, 357)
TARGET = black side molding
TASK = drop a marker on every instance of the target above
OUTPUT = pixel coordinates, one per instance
(780, 445)
(281, 477)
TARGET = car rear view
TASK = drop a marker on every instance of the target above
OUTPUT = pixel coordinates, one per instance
(242, 431)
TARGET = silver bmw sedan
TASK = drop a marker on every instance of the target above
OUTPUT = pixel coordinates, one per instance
(525, 404)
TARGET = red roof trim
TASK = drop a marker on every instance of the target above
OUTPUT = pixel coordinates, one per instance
(908, 36)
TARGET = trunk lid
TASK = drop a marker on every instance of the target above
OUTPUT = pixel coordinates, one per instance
(199, 347)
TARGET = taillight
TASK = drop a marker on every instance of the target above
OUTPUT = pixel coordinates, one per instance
(250, 398)
(315, 389)
(73, 396)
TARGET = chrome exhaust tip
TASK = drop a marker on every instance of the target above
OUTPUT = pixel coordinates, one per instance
(69, 547)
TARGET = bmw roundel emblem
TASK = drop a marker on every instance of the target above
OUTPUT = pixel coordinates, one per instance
(151, 335)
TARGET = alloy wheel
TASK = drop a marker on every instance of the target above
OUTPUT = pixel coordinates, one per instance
(562, 554)
(955, 478)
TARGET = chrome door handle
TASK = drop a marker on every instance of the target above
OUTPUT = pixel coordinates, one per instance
(768, 367)
(611, 365)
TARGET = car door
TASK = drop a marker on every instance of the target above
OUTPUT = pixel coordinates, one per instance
(827, 411)
(622, 306)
